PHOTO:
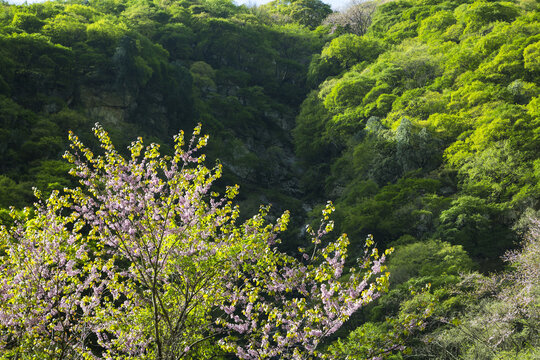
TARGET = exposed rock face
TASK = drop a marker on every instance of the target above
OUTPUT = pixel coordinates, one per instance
(105, 106)
(264, 157)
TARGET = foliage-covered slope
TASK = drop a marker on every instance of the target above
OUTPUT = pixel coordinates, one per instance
(149, 67)
(429, 123)
(427, 128)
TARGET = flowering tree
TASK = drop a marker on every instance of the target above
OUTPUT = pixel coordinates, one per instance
(509, 302)
(48, 288)
(152, 264)
(355, 19)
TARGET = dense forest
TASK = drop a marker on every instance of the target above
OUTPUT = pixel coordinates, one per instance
(418, 119)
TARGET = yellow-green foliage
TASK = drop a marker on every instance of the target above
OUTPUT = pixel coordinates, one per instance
(465, 76)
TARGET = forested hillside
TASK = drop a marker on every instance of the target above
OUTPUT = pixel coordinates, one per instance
(428, 124)
(145, 68)
(418, 119)
(426, 128)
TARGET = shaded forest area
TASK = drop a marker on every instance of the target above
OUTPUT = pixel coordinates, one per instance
(419, 119)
